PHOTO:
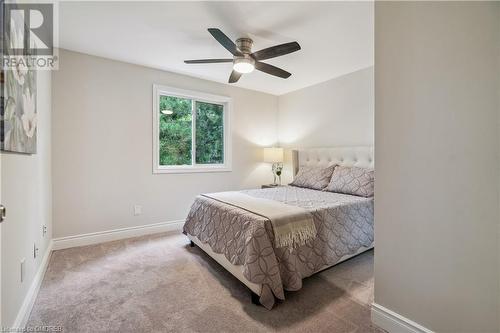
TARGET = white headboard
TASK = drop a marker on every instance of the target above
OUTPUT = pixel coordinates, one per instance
(360, 156)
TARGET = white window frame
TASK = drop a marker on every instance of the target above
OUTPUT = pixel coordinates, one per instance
(159, 90)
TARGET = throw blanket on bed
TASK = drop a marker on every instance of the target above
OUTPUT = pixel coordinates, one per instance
(293, 226)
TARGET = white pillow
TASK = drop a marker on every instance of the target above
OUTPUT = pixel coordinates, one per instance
(316, 178)
(352, 180)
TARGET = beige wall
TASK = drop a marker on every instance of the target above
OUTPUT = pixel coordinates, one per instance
(437, 162)
(26, 192)
(102, 146)
(332, 113)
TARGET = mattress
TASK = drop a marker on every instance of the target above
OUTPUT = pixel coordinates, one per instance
(344, 225)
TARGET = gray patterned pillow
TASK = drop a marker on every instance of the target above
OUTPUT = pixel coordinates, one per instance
(316, 178)
(352, 180)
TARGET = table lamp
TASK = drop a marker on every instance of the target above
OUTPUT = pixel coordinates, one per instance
(275, 156)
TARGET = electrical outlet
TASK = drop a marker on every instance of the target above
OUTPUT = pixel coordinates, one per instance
(35, 251)
(44, 230)
(137, 210)
(23, 262)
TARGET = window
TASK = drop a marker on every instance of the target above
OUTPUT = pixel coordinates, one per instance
(190, 131)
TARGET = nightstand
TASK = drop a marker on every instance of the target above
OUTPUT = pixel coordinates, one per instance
(271, 186)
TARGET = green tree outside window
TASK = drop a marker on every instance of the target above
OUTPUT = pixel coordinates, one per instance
(176, 132)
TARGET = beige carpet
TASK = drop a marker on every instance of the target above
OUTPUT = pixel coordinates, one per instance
(160, 284)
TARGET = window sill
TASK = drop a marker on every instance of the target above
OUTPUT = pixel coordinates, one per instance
(191, 170)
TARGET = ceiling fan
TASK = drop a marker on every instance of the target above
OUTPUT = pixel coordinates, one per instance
(244, 61)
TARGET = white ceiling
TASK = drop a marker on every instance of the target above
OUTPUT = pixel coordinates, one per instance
(336, 37)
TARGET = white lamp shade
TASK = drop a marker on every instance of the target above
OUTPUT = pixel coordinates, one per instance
(273, 155)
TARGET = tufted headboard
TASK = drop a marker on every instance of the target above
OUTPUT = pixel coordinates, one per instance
(360, 156)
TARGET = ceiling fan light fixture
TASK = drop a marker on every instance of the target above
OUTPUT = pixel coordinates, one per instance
(167, 112)
(244, 65)
(244, 60)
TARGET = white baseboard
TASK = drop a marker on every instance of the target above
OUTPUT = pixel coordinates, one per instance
(393, 322)
(116, 234)
(25, 310)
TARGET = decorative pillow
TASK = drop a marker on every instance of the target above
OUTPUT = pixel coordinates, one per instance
(316, 178)
(352, 180)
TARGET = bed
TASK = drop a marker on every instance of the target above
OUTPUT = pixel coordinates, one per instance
(243, 243)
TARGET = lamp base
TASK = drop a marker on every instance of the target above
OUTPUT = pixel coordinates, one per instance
(276, 169)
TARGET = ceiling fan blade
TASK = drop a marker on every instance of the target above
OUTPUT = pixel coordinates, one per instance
(273, 70)
(207, 61)
(276, 51)
(224, 41)
(234, 77)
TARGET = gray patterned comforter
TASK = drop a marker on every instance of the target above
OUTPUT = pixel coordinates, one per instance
(344, 224)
